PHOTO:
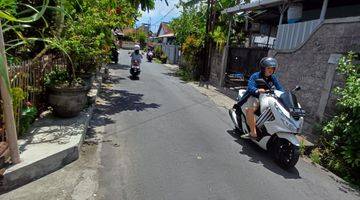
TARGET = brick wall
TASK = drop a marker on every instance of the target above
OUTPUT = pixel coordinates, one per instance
(308, 66)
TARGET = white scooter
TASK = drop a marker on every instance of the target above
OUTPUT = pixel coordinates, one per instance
(279, 120)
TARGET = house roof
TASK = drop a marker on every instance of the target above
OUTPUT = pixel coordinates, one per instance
(164, 26)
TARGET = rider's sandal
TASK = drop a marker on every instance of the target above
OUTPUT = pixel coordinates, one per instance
(248, 136)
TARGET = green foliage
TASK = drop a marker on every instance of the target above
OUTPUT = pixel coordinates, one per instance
(141, 37)
(163, 58)
(28, 115)
(8, 5)
(59, 77)
(184, 74)
(191, 48)
(219, 37)
(18, 96)
(87, 39)
(192, 22)
(341, 135)
(138, 36)
(315, 156)
(144, 4)
(302, 147)
(158, 51)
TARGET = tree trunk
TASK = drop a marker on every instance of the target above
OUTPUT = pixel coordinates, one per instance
(8, 107)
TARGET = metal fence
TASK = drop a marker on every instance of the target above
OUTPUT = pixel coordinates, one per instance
(172, 52)
(290, 36)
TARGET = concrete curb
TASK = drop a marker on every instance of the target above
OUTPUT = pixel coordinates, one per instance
(42, 159)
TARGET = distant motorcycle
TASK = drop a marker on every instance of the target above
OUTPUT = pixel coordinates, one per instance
(150, 56)
(135, 69)
(114, 55)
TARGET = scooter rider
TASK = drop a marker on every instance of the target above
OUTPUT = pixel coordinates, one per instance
(136, 56)
(268, 67)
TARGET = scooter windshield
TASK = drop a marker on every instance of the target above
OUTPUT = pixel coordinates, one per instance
(288, 100)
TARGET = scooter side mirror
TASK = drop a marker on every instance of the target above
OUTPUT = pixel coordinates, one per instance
(297, 88)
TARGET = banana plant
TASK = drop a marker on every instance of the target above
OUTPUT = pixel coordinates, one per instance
(8, 17)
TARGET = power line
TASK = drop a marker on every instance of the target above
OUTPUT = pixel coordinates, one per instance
(164, 16)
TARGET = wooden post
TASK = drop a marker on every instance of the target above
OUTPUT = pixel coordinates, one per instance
(8, 108)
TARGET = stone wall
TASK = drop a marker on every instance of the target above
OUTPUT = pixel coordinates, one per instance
(309, 67)
(215, 67)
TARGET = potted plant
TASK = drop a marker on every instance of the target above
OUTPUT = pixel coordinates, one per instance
(67, 94)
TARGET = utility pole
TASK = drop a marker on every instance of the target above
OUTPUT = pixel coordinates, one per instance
(11, 136)
(210, 22)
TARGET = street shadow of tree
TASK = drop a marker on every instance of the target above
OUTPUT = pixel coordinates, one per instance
(173, 74)
(116, 66)
(118, 101)
(260, 156)
(116, 79)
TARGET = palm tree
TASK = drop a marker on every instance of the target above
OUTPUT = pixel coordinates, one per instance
(145, 4)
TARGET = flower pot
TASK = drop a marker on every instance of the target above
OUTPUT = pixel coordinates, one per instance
(67, 102)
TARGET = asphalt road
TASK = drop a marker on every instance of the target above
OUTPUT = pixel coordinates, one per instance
(170, 142)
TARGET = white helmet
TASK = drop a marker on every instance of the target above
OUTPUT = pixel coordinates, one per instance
(137, 47)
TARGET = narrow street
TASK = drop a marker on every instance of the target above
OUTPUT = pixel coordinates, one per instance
(163, 140)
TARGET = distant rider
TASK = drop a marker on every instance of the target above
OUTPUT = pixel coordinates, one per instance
(136, 56)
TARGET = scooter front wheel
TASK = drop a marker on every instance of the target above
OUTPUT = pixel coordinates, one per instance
(285, 153)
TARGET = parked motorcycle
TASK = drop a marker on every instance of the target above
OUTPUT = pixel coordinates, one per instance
(114, 54)
(278, 120)
(149, 56)
(135, 69)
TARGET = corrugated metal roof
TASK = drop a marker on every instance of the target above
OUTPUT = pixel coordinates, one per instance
(253, 6)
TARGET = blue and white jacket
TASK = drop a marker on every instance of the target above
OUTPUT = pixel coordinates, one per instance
(253, 87)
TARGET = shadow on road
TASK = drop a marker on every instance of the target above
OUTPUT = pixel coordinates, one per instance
(172, 73)
(260, 156)
(116, 66)
(121, 100)
(116, 79)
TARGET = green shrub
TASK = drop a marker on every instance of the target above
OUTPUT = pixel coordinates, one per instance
(59, 77)
(315, 156)
(184, 74)
(302, 147)
(28, 116)
(163, 58)
(340, 139)
(158, 51)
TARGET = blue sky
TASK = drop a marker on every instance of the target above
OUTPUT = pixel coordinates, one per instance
(161, 13)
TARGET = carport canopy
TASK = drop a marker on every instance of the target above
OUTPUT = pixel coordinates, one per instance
(259, 4)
